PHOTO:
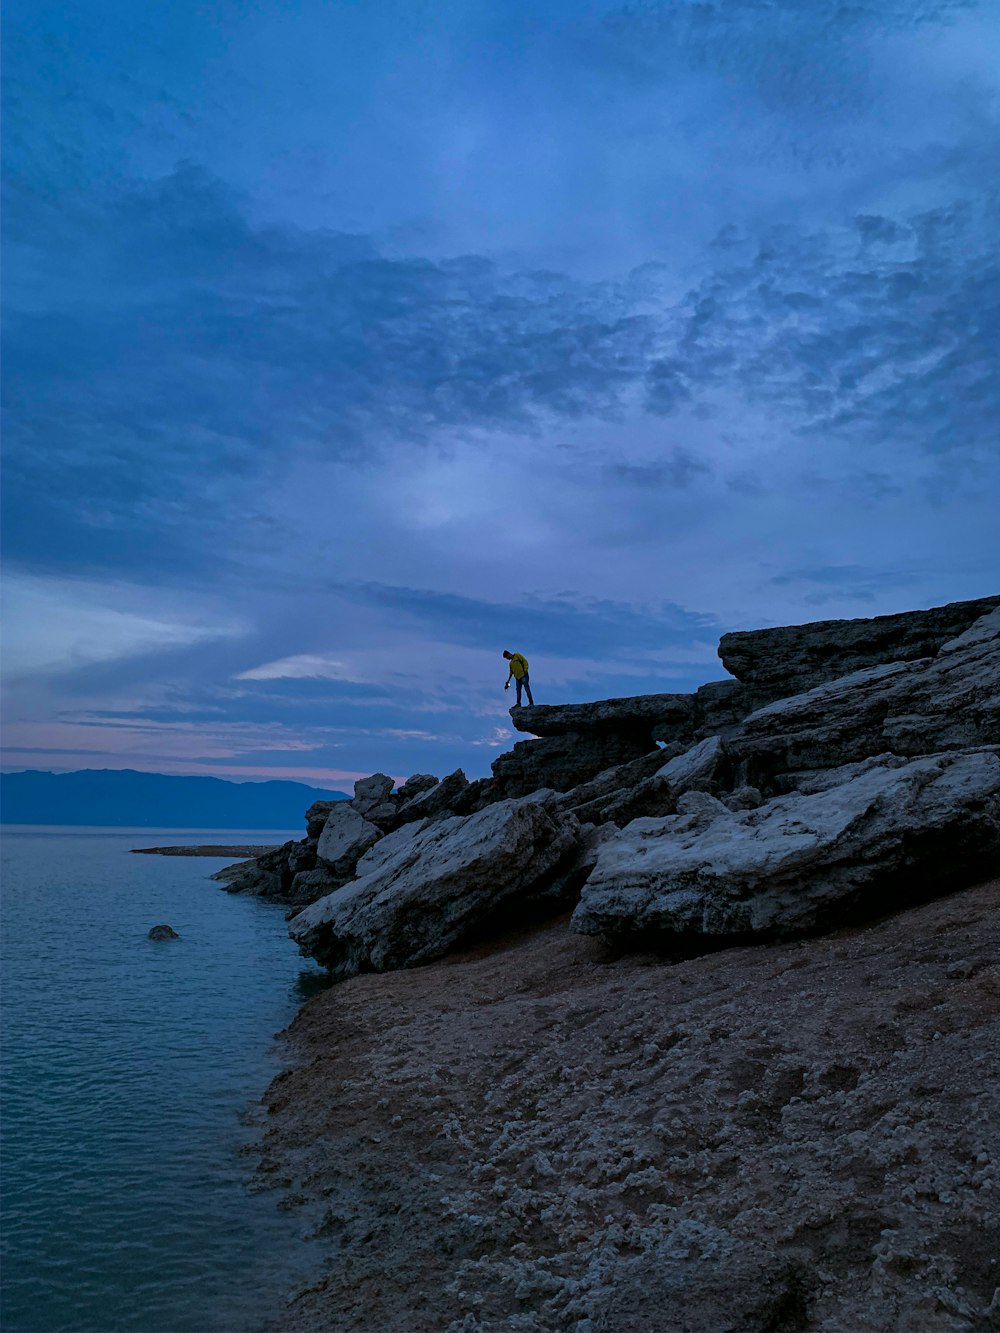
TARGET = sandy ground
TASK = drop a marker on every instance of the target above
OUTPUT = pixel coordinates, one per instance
(539, 1136)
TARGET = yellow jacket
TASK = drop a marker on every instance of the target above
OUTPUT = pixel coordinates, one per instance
(518, 665)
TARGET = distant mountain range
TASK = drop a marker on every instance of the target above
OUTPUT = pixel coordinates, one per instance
(123, 797)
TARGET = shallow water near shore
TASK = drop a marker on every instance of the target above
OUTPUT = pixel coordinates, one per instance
(128, 1069)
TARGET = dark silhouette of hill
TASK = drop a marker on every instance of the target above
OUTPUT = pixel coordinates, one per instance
(127, 798)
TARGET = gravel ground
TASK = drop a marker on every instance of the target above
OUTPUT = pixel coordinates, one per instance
(542, 1137)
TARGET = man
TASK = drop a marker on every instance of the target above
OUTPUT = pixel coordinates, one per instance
(519, 670)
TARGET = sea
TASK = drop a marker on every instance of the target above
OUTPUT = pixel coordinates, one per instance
(131, 1072)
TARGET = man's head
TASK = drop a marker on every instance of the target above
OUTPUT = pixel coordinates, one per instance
(507, 654)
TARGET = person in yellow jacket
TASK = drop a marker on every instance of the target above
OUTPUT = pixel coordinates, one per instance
(519, 670)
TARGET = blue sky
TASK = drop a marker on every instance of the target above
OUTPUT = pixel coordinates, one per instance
(348, 344)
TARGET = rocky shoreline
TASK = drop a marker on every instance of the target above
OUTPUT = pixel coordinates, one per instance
(635, 1056)
(250, 851)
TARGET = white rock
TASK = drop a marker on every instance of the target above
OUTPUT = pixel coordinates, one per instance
(428, 886)
(886, 836)
(695, 767)
(346, 834)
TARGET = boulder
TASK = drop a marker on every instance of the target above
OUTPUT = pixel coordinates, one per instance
(590, 799)
(308, 885)
(885, 837)
(702, 767)
(564, 761)
(426, 888)
(372, 799)
(316, 816)
(266, 876)
(774, 663)
(163, 932)
(438, 801)
(345, 837)
(476, 796)
(951, 701)
(415, 786)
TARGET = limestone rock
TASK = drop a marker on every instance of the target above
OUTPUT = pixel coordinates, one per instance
(345, 837)
(564, 761)
(714, 708)
(590, 799)
(415, 786)
(702, 767)
(308, 885)
(437, 801)
(951, 701)
(743, 798)
(163, 932)
(639, 713)
(424, 889)
(719, 706)
(775, 663)
(476, 796)
(373, 799)
(266, 876)
(370, 792)
(883, 838)
(317, 815)
(697, 769)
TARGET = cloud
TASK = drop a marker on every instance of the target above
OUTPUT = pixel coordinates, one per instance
(593, 333)
(55, 623)
(305, 666)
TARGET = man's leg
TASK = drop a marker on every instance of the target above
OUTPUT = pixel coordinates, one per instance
(517, 683)
(527, 686)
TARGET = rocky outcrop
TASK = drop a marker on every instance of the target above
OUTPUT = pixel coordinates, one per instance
(428, 886)
(873, 838)
(559, 1136)
(437, 801)
(564, 761)
(774, 663)
(804, 807)
(346, 836)
(714, 708)
(951, 701)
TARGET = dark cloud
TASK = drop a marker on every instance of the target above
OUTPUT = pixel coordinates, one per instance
(216, 350)
(572, 625)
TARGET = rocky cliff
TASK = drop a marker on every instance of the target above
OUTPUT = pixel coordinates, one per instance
(753, 1179)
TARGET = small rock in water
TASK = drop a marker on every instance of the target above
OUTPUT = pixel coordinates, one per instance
(163, 932)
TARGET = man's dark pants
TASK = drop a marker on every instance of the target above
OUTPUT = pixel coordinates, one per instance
(523, 680)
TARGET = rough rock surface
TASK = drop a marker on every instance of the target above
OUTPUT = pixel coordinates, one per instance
(163, 932)
(346, 836)
(564, 761)
(889, 835)
(715, 707)
(372, 799)
(638, 713)
(951, 701)
(774, 663)
(537, 1137)
(428, 886)
(438, 801)
(416, 786)
(316, 817)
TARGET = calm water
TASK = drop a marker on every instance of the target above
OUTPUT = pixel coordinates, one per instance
(128, 1066)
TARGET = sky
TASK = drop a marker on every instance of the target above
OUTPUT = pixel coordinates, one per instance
(348, 344)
